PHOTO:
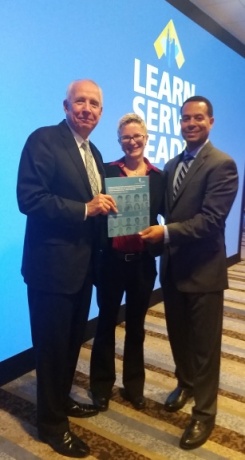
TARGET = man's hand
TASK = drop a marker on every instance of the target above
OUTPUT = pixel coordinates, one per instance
(101, 204)
(153, 234)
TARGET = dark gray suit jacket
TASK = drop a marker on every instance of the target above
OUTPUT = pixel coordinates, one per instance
(52, 190)
(196, 221)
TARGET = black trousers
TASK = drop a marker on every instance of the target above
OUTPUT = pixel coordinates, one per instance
(136, 278)
(194, 324)
(58, 322)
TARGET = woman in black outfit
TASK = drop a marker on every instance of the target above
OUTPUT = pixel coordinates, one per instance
(126, 266)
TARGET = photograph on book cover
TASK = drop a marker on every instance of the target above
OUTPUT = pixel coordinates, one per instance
(132, 197)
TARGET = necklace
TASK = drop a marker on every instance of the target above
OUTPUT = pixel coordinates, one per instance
(140, 171)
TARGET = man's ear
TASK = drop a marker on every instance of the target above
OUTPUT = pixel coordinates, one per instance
(65, 105)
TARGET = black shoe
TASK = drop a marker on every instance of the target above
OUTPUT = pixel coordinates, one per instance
(177, 399)
(100, 402)
(196, 434)
(75, 409)
(66, 444)
(137, 401)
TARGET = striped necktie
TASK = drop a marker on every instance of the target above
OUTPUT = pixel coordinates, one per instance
(90, 168)
(182, 173)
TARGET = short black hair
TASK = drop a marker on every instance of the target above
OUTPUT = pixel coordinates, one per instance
(200, 99)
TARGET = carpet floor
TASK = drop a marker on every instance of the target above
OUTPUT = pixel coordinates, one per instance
(123, 433)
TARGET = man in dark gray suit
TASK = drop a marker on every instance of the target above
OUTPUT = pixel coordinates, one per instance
(202, 185)
(55, 193)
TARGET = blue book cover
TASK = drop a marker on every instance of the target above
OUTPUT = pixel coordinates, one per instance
(133, 203)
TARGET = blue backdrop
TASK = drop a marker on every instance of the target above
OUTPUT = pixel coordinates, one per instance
(147, 57)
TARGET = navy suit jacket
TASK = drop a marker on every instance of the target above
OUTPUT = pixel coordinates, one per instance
(52, 190)
(196, 221)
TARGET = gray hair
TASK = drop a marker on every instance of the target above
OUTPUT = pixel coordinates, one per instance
(73, 83)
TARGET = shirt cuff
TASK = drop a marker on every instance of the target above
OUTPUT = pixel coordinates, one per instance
(86, 212)
(166, 235)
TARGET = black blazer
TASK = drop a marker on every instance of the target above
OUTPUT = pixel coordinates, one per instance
(52, 190)
(196, 221)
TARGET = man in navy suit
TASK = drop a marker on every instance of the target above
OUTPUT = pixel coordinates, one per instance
(202, 185)
(54, 192)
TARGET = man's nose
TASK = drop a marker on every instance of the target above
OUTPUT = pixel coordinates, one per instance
(192, 121)
(86, 106)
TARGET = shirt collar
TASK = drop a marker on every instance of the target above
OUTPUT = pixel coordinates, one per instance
(79, 139)
(121, 164)
(193, 153)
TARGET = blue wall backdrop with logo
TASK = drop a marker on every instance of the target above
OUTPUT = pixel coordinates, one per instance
(148, 57)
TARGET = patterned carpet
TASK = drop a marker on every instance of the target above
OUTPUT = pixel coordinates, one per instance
(123, 433)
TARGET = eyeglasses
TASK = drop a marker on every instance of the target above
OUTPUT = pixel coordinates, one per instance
(126, 139)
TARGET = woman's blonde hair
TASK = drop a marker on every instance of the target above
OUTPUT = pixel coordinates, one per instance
(131, 118)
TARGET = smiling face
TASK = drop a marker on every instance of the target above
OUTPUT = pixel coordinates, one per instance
(196, 123)
(83, 106)
(133, 138)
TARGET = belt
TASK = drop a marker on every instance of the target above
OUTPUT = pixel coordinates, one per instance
(129, 256)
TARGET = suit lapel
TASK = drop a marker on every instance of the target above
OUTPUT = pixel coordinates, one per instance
(99, 164)
(73, 151)
(196, 165)
(171, 174)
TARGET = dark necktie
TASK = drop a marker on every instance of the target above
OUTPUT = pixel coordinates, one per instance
(182, 173)
(90, 168)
